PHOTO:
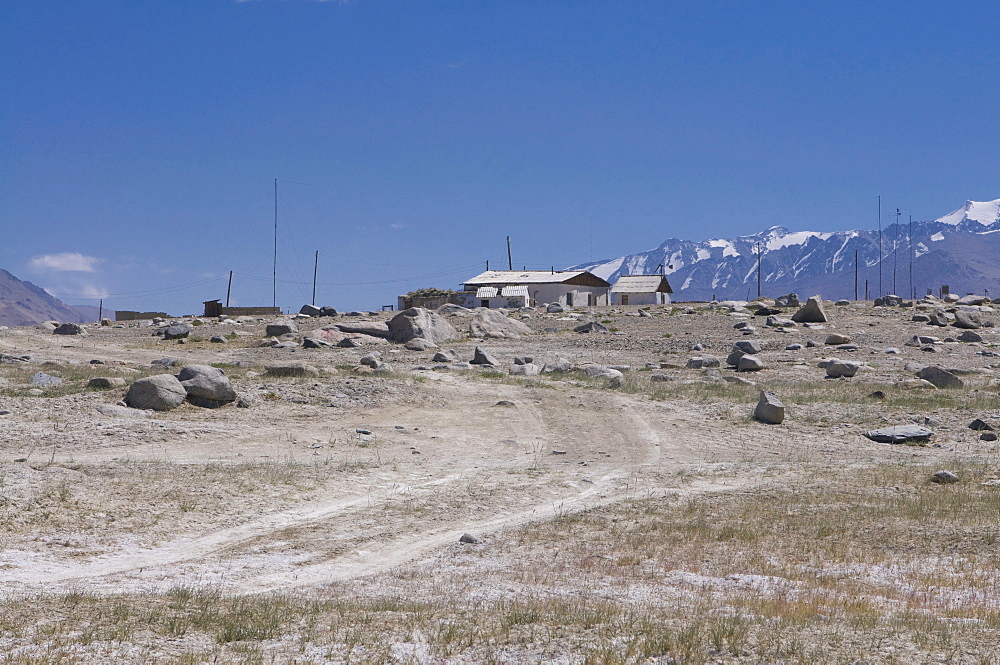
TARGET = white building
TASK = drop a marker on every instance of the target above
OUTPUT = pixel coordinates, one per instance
(516, 288)
(641, 290)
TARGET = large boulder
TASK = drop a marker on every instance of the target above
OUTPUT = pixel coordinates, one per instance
(938, 318)
(159, 393)
(177, 331)
(769, 409)
(811, 312)
(964, 318)
(971, 300)
(790, 300)
(940, 377)
(310, 310)
(419, 322)
(836, 368)
(372, 328)
(900, 434)
(70, 329)
(451, 309)
(206, 386)
(279, 328)
(483, 357)
(491, 323)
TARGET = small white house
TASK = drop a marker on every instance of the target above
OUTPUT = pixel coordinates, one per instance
(517, 288)
(641, 290)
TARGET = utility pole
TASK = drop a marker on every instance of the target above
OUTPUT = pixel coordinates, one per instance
(510, 263)
(758, 269)
(895, 243)
(909, 244)
(879, 248)
(855, 275)
(100, 311)
(229, 288)
(315, 271)
(274, 271)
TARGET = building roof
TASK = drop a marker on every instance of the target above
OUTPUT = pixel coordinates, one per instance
(642, 284)
(486, 292)
(515, 277)
(515, 291)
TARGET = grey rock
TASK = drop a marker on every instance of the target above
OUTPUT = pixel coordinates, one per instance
(116, 411)
(970, 336)
(769, 409)
(523, 360)
(206, 386)
(420, 344)
(494, 324)
(327, 311)
(310, 310)
(891, 350)
(162, 392)
(554, 308)
(834, 339)
(106, 382)
(842, 303)
(968, 319)
(219, 339)
(920, 318)
(372, 360)
(423, 323)
(596, 371)
(790, 300)
(944, 477)
(749, 363)
(811, 312)
(811, 344)
(838, 368)
(558, 365)
(525, 369)
(43, 379)
(469, 539)
(922, 340)
(451, 309)
(900, 434)
(739, 380)
(372, 328)
(980, 425)
(988, 436)
(482, 357)
(749, 346)
(847, 347)
(290, 369)
(447, 356)
(177, 331)
(794, 347)
(169, 361)
(314, 343)
(940, 377)
(938, 318)
(698, 347)
(971, 300)
(591, 327)
(776, 322)
(279, 328)
(70, 329)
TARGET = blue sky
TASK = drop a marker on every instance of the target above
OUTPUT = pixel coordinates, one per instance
(139, 142)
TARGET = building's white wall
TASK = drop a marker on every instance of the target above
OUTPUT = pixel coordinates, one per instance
(654, 298)
(556, 293)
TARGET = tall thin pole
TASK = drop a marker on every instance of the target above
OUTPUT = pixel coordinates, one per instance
(100, 310)
(274, 271)
(909, 244)
(855, 274)
(895, 243)
(758, 270)
(315, 272)
(879, 246)
(510, 263)
(229, 288)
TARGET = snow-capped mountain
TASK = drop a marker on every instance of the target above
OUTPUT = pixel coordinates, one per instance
(960, 249)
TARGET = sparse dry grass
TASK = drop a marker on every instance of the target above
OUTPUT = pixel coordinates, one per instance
(871, 564)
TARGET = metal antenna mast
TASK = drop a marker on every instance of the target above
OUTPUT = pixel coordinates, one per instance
(880, 246)
(274, 271)
(913, 294)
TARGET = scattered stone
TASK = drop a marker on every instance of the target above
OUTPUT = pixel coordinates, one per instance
(920, 318)
(940, 377)
(972, 300)
(595, 371)
(279, 328)
(423, 323)
(938, 318)
(504, 402)
(106, 382)
(900, 434)
(420, 344)
(481, 357)
(373, 360)
(794, 347)
(525, 369)
(117, 411)
(371, 328)
(591, 327)
(702, 362)
(981, 425)
(915, 384)
(448, 356)
(969, 336)
(43, 379)
(313, 343)
(944, 477)
(469, 539)
(291, 369)
(769, 409)
(775, 322)
(70, 329)
(166, 362)
(878, 394)
(811, 312)
(177, 331)
(988, 436)
(922, 340)
(494, 324)
(206, 386)
(790, 300)
(749, 363)
(833, 339)
(554, 308)
(739, 380)
(698, 347)
(811, 344)
(891, 351)
(841, 368)
(162, 392)
(219, 339)
(966, 319)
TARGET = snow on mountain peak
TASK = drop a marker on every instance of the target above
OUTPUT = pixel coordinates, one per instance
(982, 212)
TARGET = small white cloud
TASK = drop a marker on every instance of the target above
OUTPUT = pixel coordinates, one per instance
(95, 292)
(397, 226)
(65, 262)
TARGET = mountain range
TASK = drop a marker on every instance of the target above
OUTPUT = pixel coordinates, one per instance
(960, 250)
(25, 304)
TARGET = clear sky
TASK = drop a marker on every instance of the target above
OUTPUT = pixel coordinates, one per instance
(140, 141)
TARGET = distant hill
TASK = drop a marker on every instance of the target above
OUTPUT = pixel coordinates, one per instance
(24, 304)
(960, 249)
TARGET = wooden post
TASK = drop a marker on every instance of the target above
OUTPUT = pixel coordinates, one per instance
(229, 288)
